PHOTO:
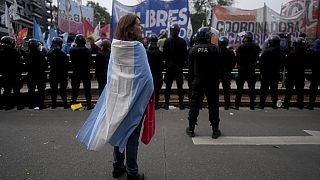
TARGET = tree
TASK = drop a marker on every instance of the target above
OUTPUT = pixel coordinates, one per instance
(200, 7)
(100, 13)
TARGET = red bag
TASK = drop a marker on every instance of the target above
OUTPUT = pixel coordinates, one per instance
(149, 124)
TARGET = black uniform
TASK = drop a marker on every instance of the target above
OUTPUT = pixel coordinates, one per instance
(205, 58)
(227, 64)
(36, 65)
(315, 78)
(247, 57)
(271, 63)
(81, 62)
(175, 55)
(295, 65)
(101, 68)
(156, 67)
(58, 61)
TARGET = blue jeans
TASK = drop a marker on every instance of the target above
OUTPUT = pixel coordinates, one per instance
(131, 153)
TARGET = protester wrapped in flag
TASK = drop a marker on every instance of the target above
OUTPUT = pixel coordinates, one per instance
(122, 104)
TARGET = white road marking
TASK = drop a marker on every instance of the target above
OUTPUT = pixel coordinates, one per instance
(260, 140)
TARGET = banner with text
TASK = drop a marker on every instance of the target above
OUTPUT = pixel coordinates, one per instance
(297, 16)
(70, 16)
(156, 15)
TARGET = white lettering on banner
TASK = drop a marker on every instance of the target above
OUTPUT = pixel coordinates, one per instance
(159, 18)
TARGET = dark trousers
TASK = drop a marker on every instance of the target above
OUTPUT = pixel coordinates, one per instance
(251, 80)
(75, 83)
(130, 153)
(212, 95)
(40, 84)
(171, 75)
(266, 82)
(157, 82)
(298, 83)
(102, 81)
(12, 84)
(313, 91)
(225, 80)
(62, 82)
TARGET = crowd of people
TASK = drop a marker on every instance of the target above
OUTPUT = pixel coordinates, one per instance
(36, 61)
(169, 54)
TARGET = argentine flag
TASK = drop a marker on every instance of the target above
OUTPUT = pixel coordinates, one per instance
(124, 99)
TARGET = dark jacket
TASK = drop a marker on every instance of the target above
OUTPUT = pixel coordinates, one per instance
(271, 62)
(36, 65)
(11, 62)
(175, 53)
(101, 64)
(205, 62)
(295, 65)
(228, 60)
(58, 61)
(247, 56)
(155, 62)
(80, 60)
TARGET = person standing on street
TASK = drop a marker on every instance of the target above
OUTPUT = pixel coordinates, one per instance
(101, 65)
(37, 66)
(11, 69)
(315, 77)
(295, 65)
(271, 63)
(247, 56)
(156, 65)
(206, 68)
(81, 62)
(118, 116)
(58, 61)
(227, 64)
(175, 54)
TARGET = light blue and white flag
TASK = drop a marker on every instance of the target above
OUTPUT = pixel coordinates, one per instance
(122, 104)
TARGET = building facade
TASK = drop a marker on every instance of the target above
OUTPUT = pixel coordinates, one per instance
(41, 10)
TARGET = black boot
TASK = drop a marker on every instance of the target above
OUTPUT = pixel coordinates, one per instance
(136, 177)
(190, 131)
(216, 133)
(117, 172)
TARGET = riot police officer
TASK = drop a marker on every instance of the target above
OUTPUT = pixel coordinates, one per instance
(315, 67)
(295, 65)
(58, 62)
(11, 65)
(175, 55)
(247, 57)
(206, 63)
(101, 64)
(227, 64)
(271, 63)
(156, 65)
(81, 61)
(36, 65)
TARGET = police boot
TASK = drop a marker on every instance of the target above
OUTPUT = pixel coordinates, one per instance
(215, 132)
(190, 131)
(136, 177)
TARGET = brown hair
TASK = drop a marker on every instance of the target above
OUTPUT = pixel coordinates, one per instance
(125, 27)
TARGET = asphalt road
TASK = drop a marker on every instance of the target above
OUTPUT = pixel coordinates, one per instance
(41, 145)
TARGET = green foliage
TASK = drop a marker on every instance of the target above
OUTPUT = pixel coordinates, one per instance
(100, 13)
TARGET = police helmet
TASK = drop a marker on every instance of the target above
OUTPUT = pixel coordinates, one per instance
(80, 40)
(274, 41)
(8, 41)
(153, 40)
(300, 42)
(33, 44)
(248, 37)
(175, 29)
(204, 34)
(57, 43)
(223, 41)
(105, 44)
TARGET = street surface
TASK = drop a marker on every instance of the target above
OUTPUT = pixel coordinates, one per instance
(265, 144)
